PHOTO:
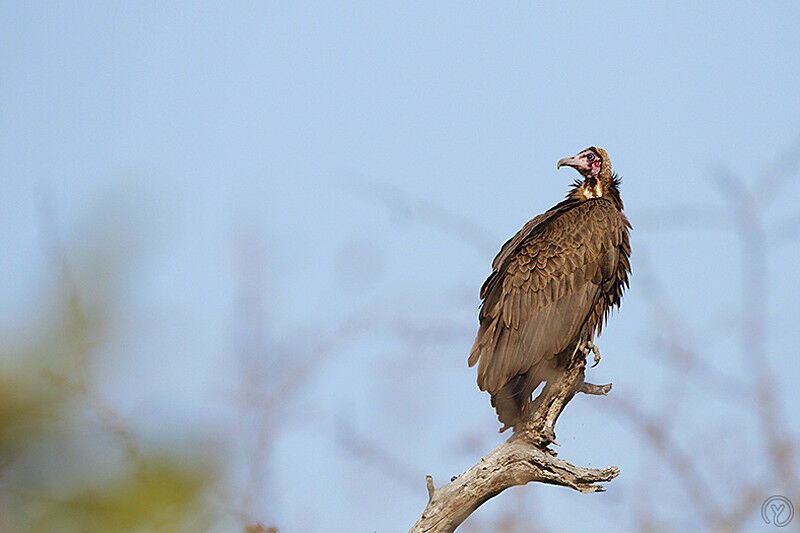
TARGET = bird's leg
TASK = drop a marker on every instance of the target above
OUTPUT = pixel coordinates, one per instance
(588, 346)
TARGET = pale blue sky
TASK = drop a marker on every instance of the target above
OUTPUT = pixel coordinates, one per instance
(186, 124)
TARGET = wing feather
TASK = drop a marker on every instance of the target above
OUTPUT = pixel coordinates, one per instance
(562, 269)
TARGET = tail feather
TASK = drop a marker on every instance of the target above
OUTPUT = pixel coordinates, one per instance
(511, 399)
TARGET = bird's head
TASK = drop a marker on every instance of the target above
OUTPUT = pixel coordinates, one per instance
(591, 163)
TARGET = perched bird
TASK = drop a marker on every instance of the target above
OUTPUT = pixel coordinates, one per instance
(551, 288)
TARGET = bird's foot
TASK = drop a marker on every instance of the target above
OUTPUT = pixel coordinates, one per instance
(588, 346)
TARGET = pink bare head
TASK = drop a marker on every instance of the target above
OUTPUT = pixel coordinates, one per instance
(592, 162)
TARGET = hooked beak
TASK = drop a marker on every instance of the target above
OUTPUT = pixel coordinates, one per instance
(574, 162)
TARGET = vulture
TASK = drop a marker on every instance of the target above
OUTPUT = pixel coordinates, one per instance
(551, 287)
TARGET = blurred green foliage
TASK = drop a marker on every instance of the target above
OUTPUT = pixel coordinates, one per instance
(156, 495)
(68, 462)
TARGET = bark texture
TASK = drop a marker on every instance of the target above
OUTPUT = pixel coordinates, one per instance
(521, 459)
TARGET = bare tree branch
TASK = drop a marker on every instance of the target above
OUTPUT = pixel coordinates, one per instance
(522, 459)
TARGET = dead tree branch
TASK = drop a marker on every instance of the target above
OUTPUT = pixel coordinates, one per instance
(522, 459)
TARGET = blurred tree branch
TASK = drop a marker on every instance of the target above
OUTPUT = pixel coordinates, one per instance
(70, 462)
(427, 212)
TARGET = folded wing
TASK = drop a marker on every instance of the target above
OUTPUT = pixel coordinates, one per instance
(557, 277)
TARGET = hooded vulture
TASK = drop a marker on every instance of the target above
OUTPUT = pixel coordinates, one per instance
(551, 287)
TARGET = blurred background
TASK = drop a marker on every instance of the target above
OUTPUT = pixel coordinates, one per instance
(242, 246)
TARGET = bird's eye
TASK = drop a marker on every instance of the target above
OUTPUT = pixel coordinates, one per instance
(590, 157)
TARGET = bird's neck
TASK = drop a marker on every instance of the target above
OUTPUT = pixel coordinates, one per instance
(597, 187)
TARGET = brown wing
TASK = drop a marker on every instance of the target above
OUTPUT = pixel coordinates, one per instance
(548, 280)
